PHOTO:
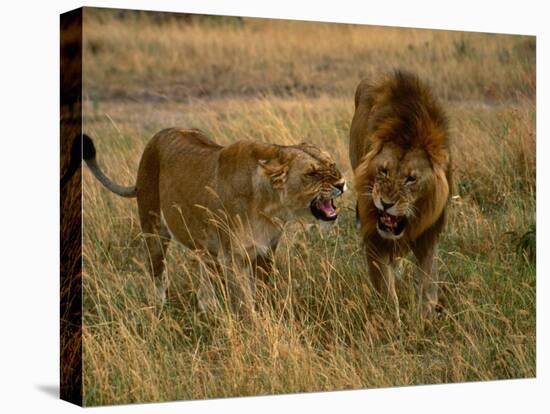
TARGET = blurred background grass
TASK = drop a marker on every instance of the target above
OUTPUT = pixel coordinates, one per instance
(320, 327)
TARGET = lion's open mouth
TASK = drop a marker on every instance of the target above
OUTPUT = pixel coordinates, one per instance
(392, 225)
(324, 209)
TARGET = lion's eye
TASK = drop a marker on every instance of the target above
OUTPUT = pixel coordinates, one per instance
(410, 179)
(383, 171)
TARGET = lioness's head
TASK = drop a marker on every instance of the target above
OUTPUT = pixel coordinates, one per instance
(306, 179)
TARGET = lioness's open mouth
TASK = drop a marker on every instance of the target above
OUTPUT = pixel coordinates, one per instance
(393, 225)
(324, 209)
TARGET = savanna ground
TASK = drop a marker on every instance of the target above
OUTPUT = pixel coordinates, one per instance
(320, 326)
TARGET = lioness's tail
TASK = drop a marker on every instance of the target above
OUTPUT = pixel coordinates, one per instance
(88, 154)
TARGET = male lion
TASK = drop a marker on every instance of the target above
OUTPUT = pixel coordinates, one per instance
(399, 151)
(228, 202)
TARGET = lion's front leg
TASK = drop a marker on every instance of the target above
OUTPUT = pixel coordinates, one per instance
(427, 277)
(383, 278)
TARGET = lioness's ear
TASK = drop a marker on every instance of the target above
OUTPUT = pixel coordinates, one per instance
(276, 169)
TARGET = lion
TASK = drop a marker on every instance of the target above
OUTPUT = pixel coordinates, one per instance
(400, 155)
(227, 203)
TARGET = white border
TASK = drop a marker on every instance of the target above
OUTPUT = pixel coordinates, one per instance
(29, 172)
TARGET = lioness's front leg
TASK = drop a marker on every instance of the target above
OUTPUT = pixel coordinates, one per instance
(239, 284)
(209, 271)
(262, 265)
(383, 278)
(426, 276)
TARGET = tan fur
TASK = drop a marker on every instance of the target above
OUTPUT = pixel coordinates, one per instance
(229, 203)
(399, 151)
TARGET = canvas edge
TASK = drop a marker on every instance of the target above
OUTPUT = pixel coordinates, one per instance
(71, 385)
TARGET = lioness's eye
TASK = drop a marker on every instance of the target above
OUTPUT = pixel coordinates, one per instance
(383, 171)
(410, 179)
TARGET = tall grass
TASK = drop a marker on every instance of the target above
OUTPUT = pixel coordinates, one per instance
(134, 58)
(319, 326)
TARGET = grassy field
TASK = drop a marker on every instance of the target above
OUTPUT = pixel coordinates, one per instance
(320, 326)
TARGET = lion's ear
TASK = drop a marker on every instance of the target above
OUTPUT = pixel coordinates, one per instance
(276, 169)
(436, 146)
(434, 206)
(441, 158)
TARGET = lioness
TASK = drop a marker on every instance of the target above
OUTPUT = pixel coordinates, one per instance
(399, 151)
(229, 202)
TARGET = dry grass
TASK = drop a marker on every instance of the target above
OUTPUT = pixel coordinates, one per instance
(319, 325)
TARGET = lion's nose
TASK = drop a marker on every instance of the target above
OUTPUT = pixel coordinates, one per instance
(387, 206)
